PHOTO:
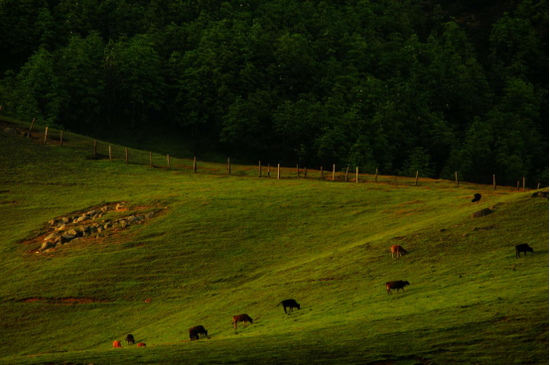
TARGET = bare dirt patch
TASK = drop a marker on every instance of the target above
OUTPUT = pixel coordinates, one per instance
(65, 301)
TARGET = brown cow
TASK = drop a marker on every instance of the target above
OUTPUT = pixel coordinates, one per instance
(241, 318)
(141, 344)
(196, 332)
(397, 249)
(400, 284)
(117, 344)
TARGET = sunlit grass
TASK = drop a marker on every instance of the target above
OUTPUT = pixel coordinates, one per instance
(240, 244)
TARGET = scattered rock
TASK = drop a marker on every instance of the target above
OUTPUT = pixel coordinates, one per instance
(82, 218)
(73, 232)
(150, 215)
(465, 234)
(123, 223)
(47, 245)
(62, 227)
(65, 219)
(120, 206)
(67, 238)
(51, 237)
(482, 213)
(99, 229)
(107, 226)
(105, 208)
(52, 222)
(91, 212)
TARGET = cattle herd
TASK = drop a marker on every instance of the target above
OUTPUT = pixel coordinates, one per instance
(197, 332)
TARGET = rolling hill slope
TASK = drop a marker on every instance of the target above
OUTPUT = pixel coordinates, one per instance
(222, 245)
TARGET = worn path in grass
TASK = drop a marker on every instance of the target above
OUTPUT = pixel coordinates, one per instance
(230, 245)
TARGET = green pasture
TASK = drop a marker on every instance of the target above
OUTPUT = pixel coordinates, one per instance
(226, 245)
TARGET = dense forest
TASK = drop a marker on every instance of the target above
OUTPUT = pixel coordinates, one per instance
(402, 85)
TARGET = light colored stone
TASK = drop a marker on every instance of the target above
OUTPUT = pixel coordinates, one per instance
(65, 219)
(51, 237)
(123, 223)
(62, 227)
(67, 238)
(47, 245)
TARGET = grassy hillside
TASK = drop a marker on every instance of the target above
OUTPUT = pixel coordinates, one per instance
(224, 245)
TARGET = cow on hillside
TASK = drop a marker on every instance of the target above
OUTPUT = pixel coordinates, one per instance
(130, 339)
(196, 332)
(241, 318)
(524, 247)
(289, 303)
(398, 250)
(400, 284)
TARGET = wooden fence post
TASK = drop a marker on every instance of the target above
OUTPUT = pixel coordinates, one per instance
(1, 106)
(494, 182)
(168, 159)
(347, 173)
(456, 178)
(61, 139)
(333, 171)
(538, 186)
(46, 135)
(95, 147)
(110, 154)
(260, 168)
(30, 129)
(523, 184)
(322, 175)
(298, 171)
(356, 174)
(416, 179)
(305, 172)
(151, 159)
(126, 152)
(376, 175)
(278, 171)
(195, 164)
(268, 170)
(518, 185)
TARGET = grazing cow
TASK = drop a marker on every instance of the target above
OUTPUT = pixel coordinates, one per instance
(141, 344)
(130, 339)
(241, 318)
(477, 197)
(289, 303)
(400, 284)
(524, 247)
(398, 250)
(117, 344)
(196, 332)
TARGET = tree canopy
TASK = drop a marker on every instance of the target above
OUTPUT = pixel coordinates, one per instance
(399, 85)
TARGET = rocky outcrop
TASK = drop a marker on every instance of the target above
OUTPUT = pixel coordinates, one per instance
(89, 225)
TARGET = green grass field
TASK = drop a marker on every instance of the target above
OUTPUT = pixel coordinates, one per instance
(226, 245)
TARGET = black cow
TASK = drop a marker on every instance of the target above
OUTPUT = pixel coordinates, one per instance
(400, 284)
(524, 247)
(130, 339)
(289, 303)
(196, 332)
(477, 197)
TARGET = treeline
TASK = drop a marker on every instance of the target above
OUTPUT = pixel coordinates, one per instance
(402, 85)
